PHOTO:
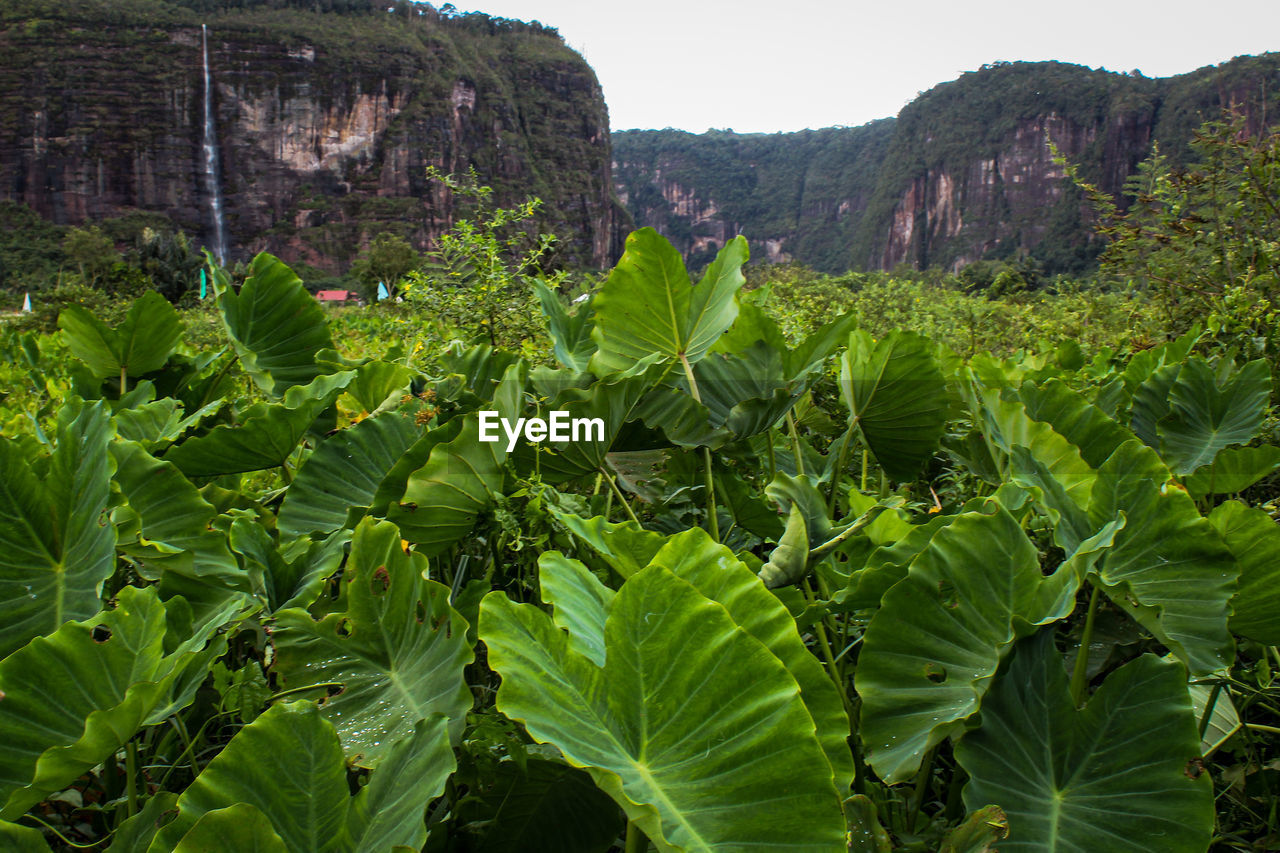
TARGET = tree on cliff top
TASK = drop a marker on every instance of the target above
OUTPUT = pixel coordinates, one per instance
(1203, 238)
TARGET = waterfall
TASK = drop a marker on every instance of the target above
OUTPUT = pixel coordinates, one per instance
(212, 181)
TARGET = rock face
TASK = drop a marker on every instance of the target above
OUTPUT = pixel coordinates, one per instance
(326, 123)
(794, 195)
(964, 172)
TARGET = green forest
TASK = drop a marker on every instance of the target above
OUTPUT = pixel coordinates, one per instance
(830, 196)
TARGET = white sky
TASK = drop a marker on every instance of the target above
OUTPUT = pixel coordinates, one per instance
(757, 66)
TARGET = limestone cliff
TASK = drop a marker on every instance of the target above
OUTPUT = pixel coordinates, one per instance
(325, 121)
(964, 172)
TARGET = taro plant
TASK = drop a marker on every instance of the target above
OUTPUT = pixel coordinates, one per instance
(836, 592)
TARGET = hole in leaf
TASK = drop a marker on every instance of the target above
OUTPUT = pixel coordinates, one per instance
(409, 506)
(947, 592)
(421, 612)
(380, 581)
(100, 633)
(344, 628)
(935, 672)
(330, 691)
(1194, 768)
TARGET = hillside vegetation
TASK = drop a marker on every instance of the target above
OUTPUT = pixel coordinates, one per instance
(963, 173)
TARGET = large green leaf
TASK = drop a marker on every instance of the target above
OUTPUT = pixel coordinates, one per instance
(897, 397)
(625, 546)
(930, 651)
(344, 474)
(1254, 540)
(751, 379)
(1121, 775)
(157, 423)
(1073, 417)
(442, 499)
(1071, 524)
(56, 543)
(570, 333)
(379, 385)
(648, 304)
(136, 834)
(289, 574)
(175, 521)
(113, 675)
(22, 839)
(689, 725)
(1233, 470)
(683, 420)
(239, 827)
(275, 326)
(719, 575)
(398, 650)
(579, 600)
(1169, 569)
(746, 392)
(753, 325)
(979, 832)
(1209, 412)
(1038, 456)
(1224, 719)
(1151, 403)
(265, 436)
(888, 564)
(142, 343)
(612, 401)
(288, 765)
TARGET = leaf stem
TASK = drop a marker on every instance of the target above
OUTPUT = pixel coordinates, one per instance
(1079, 673)
(636, 841)
(858, 524)
(213, 386)
(921, 788)
(773, 464)
(824, 644)
(713, 522)
(795, 444)
(188, 746)
(622, 499)
(1208, 709)
(131, 775)
(325, 685)
(67, 841)
(839, 469)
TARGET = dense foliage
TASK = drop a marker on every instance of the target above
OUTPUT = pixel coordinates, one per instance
(818, 585)
(1202, 237)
